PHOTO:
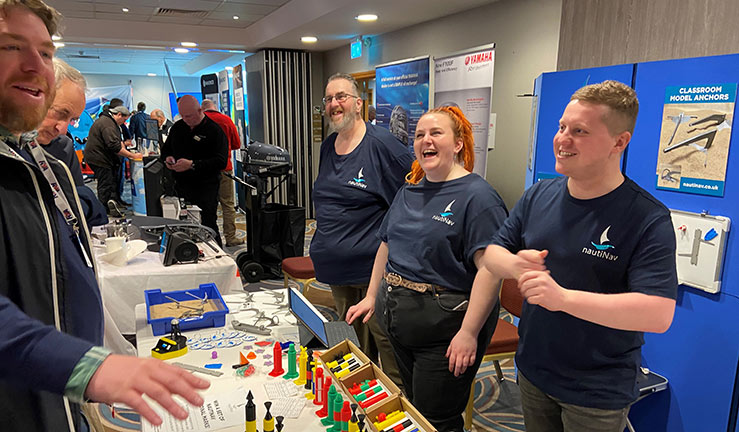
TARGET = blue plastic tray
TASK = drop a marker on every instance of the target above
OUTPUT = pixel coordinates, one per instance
(162, 326)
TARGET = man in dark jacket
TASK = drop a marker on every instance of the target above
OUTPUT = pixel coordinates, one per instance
(103, 147)
(164, 124)
(51, 318)
(196, 150)
(138, 122)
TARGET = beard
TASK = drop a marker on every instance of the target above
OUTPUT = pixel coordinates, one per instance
(18, 117)
(347, 120)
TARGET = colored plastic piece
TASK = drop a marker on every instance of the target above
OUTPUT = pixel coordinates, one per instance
(277, 370)
(251, 356)
(250, 411)
(291, 364)
(301, 362)
(327, 411)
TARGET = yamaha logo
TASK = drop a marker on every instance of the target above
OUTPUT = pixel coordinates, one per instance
(478, 58)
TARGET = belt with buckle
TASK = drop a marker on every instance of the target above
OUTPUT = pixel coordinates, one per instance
(395, 279)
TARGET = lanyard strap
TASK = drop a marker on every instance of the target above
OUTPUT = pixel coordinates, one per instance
(38, 155)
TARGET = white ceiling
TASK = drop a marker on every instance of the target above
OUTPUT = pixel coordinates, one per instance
(101, 38)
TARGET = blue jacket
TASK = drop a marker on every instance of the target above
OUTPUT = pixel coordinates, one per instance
(41, 312)
(138, 124)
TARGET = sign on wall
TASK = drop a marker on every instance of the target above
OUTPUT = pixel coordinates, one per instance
(465, 80)
(402, 96)
(695, 138)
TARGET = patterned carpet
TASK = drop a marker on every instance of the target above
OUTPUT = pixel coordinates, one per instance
(497, 405)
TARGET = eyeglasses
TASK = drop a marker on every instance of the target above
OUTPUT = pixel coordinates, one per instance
(339, 97)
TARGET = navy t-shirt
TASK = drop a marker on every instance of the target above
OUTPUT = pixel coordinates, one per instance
(352, 193)
(620, 242)
(434, 229)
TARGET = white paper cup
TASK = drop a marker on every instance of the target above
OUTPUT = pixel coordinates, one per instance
(113, 244)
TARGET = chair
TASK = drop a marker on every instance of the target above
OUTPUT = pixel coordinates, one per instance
(300, 269)
(504, 342)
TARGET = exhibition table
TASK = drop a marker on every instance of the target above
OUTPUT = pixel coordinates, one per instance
(229, 388)
(123, 287)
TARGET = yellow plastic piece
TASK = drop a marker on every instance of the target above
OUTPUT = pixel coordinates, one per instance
(171, 354)
(301, 366)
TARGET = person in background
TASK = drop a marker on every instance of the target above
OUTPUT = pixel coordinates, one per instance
(226, 188)
(371, 114)
(196, 150)
(164, 124)
(362, 166)
(102, 153)
(432, 294)
(596, 272)
(67, 107)
(51, 317)
(138, 121)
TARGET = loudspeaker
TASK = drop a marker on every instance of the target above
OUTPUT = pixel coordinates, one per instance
(177, 247)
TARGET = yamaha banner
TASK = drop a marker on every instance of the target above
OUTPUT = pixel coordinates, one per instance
(209, 87)
(465, 80)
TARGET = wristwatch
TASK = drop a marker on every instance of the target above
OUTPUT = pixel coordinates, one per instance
(192, 165)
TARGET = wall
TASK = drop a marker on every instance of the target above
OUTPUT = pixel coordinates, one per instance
(607, 32)
(153, 91)
(526, 35)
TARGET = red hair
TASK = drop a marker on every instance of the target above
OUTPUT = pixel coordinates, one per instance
(462, 129)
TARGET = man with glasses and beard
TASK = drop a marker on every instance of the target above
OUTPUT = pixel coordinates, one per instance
(361, 168)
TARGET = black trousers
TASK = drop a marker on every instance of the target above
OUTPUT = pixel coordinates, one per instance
(205, 197)
(420, 327)
(107, 180)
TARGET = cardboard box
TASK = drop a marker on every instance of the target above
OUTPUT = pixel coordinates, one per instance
(337, 351)
(393, 404)
(369, 372)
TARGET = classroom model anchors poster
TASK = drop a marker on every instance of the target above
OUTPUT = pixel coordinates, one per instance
(695, 138)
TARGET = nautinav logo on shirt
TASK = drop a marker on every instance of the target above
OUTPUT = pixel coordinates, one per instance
(601, 248)
(358, 181)
(444, 215)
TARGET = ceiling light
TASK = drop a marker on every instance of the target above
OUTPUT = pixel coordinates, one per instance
(236, 17)
(188, 44)
(151, 74)
(309, 39)
(56, 38)
(58, 44)
(229, 68)
(366, 17)
(124, 9)
(181, 50)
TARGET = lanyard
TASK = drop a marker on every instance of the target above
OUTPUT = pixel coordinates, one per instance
(60, 200)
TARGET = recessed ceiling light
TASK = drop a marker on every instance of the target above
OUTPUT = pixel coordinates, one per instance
(366, 17)
(58, 44)
(309, 39)
(56, 38)
(151, 74)
(236, 17)
(188, 44)
(124, 9)
(181, 50)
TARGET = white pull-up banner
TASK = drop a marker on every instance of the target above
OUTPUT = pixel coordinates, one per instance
(465, 80)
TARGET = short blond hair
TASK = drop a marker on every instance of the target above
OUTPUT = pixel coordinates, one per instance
(46, 13)
(618, 97)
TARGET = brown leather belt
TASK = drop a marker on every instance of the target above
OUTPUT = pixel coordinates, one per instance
(395, 279)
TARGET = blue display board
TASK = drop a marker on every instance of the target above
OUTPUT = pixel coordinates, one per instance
(700, 351)
(552, 93)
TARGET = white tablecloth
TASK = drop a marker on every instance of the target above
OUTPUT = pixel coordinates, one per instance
(228, 383)
(123, 287)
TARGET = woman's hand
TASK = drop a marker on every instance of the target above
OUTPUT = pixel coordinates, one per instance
(366, 307)
(461, 352)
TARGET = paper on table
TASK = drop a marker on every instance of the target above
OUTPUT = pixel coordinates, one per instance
(280, 389)
(216, 413)
(288, 407)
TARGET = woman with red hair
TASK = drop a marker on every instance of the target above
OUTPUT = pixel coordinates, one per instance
(434, 298)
